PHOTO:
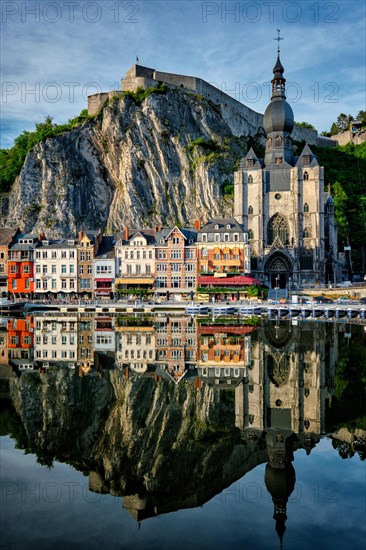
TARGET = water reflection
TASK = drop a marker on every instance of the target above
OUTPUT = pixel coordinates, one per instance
(168, 411)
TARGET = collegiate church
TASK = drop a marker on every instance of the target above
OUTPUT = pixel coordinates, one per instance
(282, 203)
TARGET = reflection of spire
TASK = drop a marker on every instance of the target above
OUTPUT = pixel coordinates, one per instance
(280, 483)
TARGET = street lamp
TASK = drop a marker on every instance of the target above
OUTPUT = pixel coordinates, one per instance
(276, 288)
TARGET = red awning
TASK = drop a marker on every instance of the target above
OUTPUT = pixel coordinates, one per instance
(97, 280)
(237, 280)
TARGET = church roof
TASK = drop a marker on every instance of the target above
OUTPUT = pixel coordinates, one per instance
(257, 163)
(307, 152)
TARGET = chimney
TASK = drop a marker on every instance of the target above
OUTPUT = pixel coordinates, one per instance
(127, 233)
(80, 235)
(41, 237)
(197, 225)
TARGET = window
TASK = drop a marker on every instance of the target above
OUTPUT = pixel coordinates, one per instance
(72, 284)
(278, 160)
(2, 268)
(53, 269)
(217, 237)
(38, 284)
(176, 240)
(278, 141)
(190, 281)
(27, 284)
(81, 269)
(63, 269)
(175, 267)
(175, 254)
(25, 269)
(250, 178)
(63, 284)
(306, 207)
(72, 269)
(53, 284)
(306, 233)
(90, 269)
(306, 259)
(189, 254)
(250, 209)
(269, 143)
(138, 269)
(204, 251)
(306, 160)
(249, 162)
(250, 234)
(161, 267)
(161, 282)
(176, 282)
(226, 237)
(277, 227)
(53, 254)
(204, 237)
(148, 269)
(162, 254)
(150, 254)
(72, 254)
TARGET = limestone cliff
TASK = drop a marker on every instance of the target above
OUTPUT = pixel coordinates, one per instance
(160, 160)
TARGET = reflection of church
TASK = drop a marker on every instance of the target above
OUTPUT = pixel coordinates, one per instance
(282, 203)
(281, 402)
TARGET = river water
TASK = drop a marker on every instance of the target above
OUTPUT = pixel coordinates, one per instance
(172, 432)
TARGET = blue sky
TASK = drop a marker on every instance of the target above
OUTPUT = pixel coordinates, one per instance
(53, 53)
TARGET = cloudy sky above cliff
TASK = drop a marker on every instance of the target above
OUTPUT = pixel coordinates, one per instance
(55, 53)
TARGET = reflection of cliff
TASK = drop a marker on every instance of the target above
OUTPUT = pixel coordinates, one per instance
(165, 446)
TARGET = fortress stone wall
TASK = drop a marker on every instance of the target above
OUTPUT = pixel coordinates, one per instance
(242, 120)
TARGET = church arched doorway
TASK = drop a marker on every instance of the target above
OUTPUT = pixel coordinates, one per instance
(279, 271)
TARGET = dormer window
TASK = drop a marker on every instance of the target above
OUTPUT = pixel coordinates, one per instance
(306, 176)
(250, 162)
(278, 141)
(306, 160)
(226, 237)
(228, 226)
(217, 226)
(204, 237)
(46, 243)
(217, 237)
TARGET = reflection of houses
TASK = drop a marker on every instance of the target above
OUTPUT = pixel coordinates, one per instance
(135, 348)
(176, 345)
(104, 334)
(85, 343)
(223, 354)
(20, 343)
(56, 340)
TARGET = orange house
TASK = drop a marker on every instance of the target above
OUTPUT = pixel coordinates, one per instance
(21, 265)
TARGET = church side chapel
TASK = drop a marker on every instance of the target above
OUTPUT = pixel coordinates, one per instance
(281, 202)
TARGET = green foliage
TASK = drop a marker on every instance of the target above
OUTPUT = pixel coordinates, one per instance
(142, 93)
(305, 125)
(12, 160)
(228, 188)
(345, 169)
(340, 210)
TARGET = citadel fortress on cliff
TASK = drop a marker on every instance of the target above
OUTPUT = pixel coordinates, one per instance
(241, 119)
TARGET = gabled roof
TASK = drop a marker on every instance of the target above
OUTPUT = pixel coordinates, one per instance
(148, 234)
(250, 155)
(106, 248)
(222, 223)
(313, 159)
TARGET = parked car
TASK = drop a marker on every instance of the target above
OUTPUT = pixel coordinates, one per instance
(344, 301)
(344, 284)
(323, 300)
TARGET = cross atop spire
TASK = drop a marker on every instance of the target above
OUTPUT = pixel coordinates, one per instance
(278, 40)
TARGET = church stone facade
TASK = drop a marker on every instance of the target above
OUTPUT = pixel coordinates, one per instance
(282, 203)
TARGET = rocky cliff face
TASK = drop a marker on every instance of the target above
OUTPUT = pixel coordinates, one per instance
(136, 164)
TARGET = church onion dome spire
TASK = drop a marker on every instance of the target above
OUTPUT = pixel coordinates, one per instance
(278, 116)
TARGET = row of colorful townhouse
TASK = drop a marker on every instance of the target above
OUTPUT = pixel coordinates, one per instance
(161, 262)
